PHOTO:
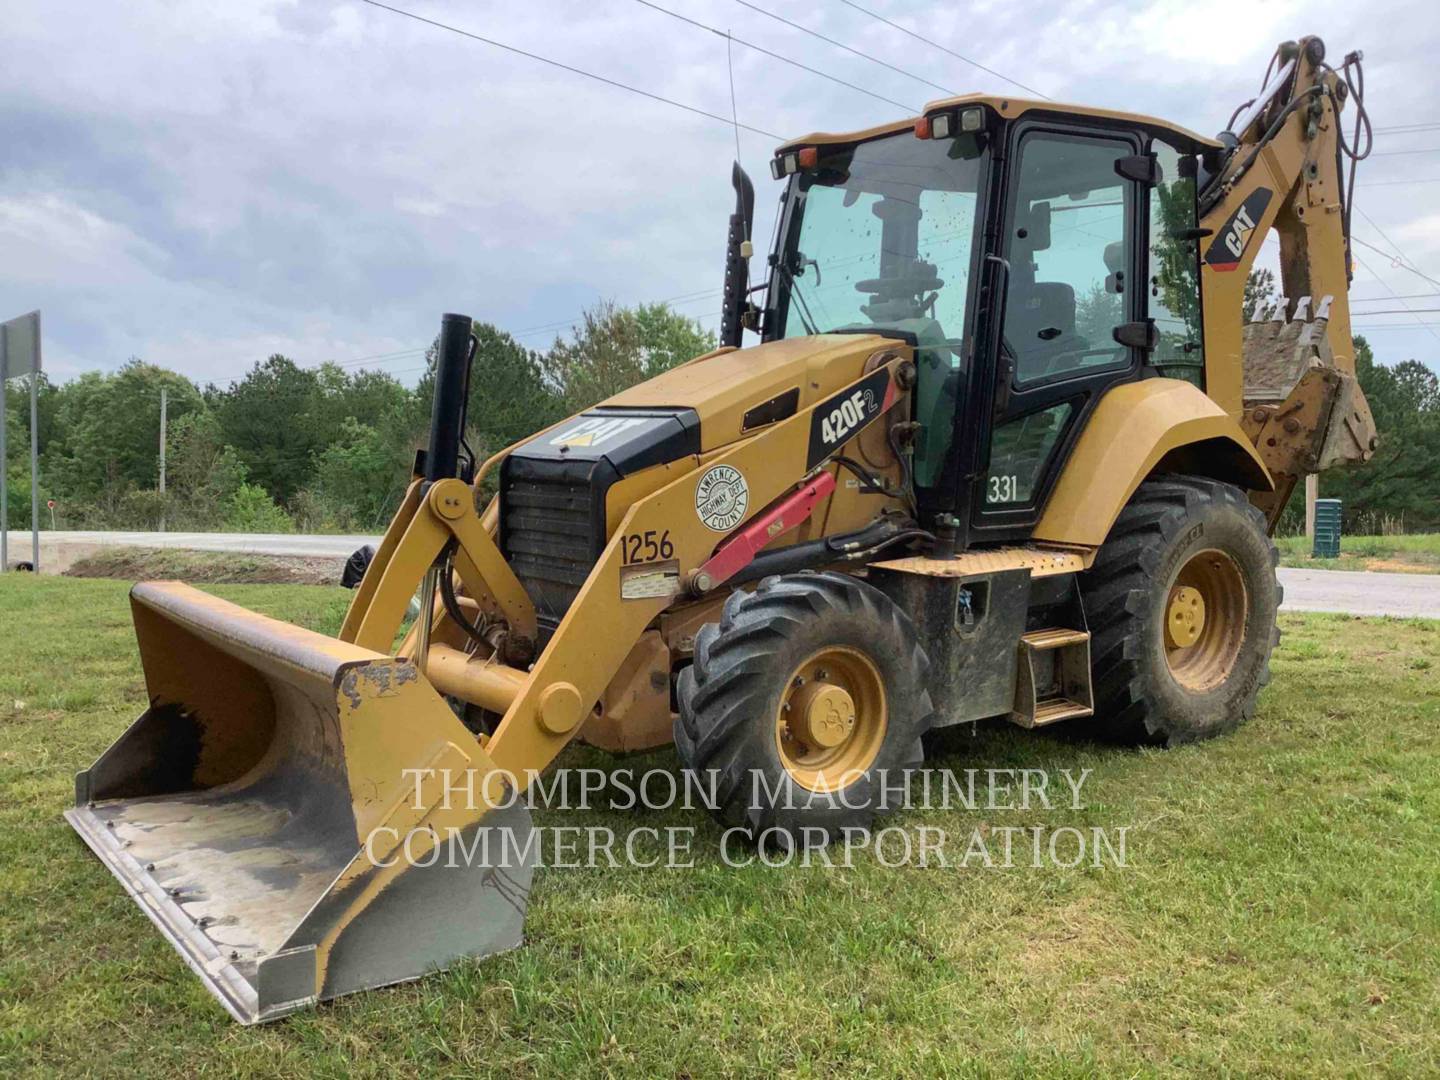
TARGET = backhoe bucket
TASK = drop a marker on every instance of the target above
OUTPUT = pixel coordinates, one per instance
(301, 817)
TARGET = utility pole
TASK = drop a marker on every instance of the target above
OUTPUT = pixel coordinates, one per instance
(20, 355)
(164, 401)
(1312, 492)
(35, 453)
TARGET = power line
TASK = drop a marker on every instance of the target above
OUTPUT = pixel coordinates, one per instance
(1370, 270)
(734, 109)
(567, 67)
(841, 45)
(556, 327)
(1406, 129)
(562, 323)
(1398, 183)
(399, 354)
(1403, 311)
(425, 367)
(375, 358)
(942, 48)
(408, 371)
(774, 55)
(531, 331)
(1398, 258)
(1396, 153)
(729, 122)
(696, 297)
(1396, 326)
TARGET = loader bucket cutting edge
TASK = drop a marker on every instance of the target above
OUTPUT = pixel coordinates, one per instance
(236, 811)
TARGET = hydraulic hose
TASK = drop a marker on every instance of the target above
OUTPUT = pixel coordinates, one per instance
(847, 547)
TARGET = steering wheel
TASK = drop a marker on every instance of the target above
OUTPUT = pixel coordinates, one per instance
(900, 288)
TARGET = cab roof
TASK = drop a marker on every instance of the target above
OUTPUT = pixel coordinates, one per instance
(1010, 108)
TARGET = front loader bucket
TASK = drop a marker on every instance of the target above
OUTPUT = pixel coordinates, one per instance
(301, 817)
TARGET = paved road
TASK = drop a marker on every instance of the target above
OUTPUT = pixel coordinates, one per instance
(249, 543)
(1360, 592)
(1356, 592)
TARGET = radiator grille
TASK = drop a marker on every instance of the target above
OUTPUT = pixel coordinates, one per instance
(549, 540)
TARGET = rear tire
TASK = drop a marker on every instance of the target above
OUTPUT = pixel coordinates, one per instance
(1181, 601)
(756, 707)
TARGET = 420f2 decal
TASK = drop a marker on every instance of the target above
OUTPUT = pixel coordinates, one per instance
(837, 420)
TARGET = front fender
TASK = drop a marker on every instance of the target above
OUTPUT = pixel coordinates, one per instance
(1136, 428)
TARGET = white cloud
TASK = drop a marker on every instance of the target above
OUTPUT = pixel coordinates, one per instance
(203, 184)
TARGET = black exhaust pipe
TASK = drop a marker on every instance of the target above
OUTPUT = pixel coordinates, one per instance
(737, 266)
(452, 386)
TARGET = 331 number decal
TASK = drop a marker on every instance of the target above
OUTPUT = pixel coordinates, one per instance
(1003, 489)
(648, 546)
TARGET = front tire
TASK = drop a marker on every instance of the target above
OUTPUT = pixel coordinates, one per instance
(808, 701)
(1182, 601)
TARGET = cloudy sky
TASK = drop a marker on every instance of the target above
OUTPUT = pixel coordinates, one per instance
(202, 184)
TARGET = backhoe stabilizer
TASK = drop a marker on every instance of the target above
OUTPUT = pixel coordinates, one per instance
(301, 817)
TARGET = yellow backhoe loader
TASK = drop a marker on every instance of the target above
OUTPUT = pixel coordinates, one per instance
(1003, 449)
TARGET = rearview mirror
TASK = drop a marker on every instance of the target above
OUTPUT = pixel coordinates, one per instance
(1036, 226)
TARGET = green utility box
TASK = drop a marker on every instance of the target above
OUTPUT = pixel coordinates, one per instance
(1327, 529)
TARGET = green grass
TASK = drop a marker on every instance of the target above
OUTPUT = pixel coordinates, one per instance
(1418, 553)
(1280, 913)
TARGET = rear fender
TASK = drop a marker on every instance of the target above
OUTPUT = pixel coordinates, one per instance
(1139, 428)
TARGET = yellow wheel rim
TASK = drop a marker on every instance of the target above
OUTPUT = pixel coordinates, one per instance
(1205, 615)
(831, 720)
(1184, 617)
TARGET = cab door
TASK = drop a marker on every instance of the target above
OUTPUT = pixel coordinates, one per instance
(1071, 319)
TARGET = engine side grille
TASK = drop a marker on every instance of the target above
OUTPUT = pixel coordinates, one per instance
(549, 538)
(553, 489)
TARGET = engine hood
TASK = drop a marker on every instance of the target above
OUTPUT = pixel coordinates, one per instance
(554, 488)
(704, 404)
(735, 391)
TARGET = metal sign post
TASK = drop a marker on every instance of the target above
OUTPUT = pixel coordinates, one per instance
(163, 399)
(20, 355)
(35, 454)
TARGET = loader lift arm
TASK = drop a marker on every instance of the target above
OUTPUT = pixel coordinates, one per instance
(544, 708)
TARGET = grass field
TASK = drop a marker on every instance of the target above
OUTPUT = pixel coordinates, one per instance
(1280, 913)
(1415, 554)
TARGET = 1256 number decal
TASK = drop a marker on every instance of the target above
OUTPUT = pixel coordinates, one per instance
(649, 546)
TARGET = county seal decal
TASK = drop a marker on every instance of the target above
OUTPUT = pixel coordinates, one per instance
(721, 497)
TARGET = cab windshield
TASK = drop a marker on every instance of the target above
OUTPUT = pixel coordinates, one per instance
(882, 235)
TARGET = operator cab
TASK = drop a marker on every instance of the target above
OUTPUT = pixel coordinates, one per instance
(1035, 255)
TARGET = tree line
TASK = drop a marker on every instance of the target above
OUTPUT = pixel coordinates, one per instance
(1396, 490)
(324, 449)
(313, 449)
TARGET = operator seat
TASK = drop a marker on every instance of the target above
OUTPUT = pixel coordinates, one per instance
(1041, 327)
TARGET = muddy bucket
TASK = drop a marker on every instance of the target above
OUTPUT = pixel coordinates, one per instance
(301, 817)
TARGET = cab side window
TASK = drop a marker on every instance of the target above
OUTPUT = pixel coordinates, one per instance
(1067, 252)
(1173, 286)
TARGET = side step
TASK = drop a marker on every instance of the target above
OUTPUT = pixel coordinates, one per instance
(1053, 682)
